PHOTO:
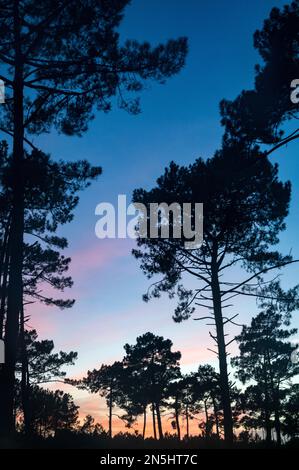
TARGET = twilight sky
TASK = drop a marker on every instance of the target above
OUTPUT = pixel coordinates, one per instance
(179, 121)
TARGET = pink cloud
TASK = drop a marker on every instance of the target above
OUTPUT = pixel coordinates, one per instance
(98, 256)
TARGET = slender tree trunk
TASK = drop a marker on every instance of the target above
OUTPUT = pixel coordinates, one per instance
(276, 401)
(267, 426)
(224, 383)
(277, 423)
(110, 413)
(177, 420)
(159, 421)
(154, 421)
(4, 274)
(144, 422)
(25, 384)
(187, 420)
(277, 426)
(14, 295)
(267, 412)
(207, 419)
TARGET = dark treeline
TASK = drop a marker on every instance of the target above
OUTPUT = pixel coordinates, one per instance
(61, 61)
(148, 383)
(150, 395)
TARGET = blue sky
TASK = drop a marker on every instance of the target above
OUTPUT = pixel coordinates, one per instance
(179, 121)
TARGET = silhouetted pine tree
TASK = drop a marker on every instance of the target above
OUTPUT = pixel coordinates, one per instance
(107, 382)
(50, 198)
(244, 210)
(52, 412)
(152, 362)
(258, 115)
(41, 366)
(265, 357)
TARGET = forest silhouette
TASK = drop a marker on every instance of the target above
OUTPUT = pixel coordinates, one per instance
(62, 61)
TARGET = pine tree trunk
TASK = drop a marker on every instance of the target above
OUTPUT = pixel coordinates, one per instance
(154, 421)
(268, 428)
(110, 413)
(4, 274)
(177, 420)
(25, 384)
(159, 421)
(277, 423)
(267, 413)
(277, 427)
(276, 401)
(187, 420)
(207, 419)
(144, 422)
(14, 294)
(224, 383)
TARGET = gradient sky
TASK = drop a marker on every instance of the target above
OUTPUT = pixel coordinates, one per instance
(179, 121)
